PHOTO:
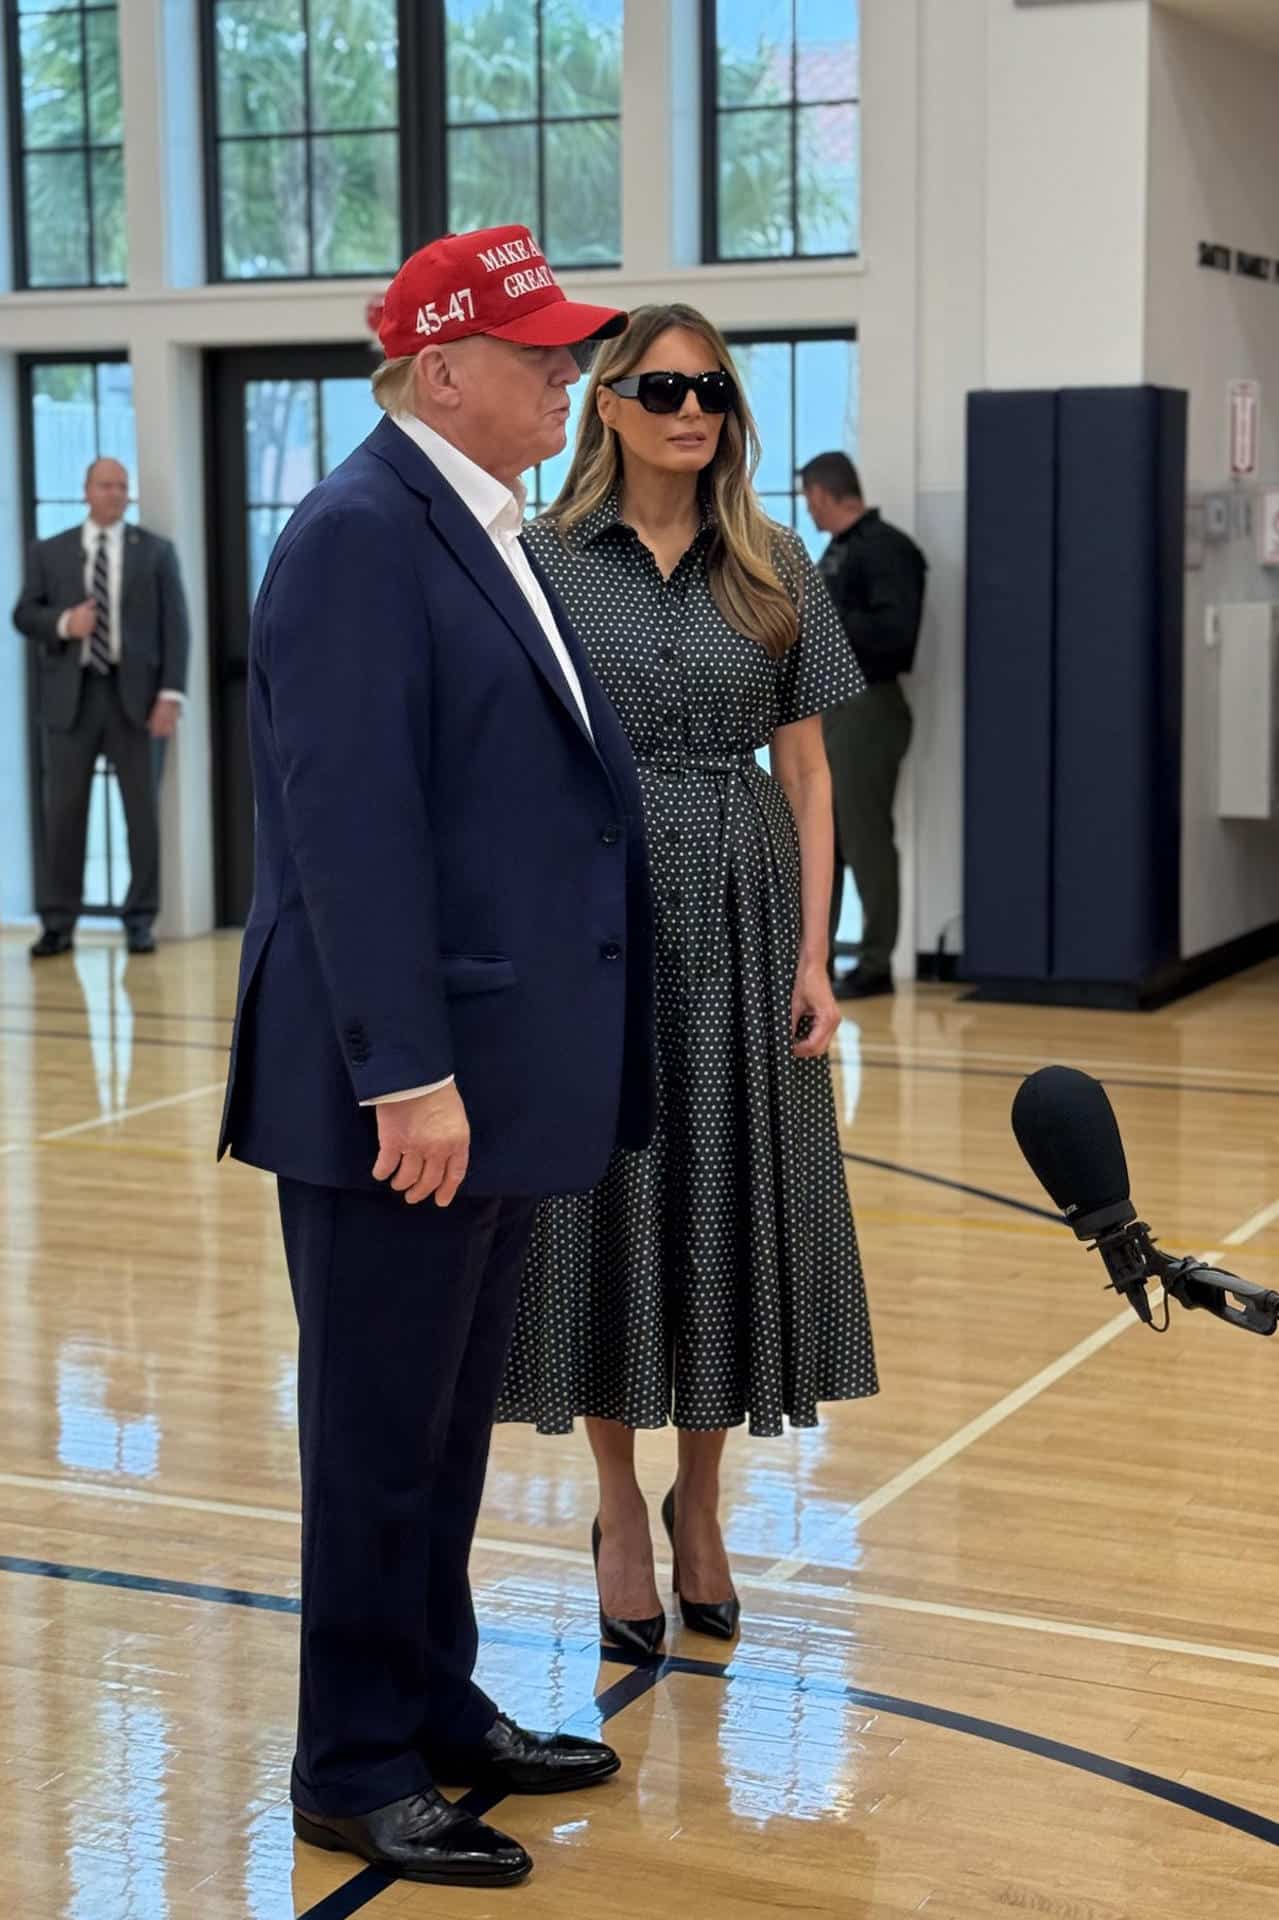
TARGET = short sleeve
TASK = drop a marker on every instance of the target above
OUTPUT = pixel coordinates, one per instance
(821, 669)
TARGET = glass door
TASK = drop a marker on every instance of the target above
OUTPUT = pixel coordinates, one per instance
(281, 418)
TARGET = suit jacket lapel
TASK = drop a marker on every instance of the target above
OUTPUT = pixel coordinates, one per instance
(611, 743)
(129, 564)
(472, 547)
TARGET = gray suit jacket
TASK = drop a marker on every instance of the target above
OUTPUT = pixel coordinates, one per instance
(153, 624)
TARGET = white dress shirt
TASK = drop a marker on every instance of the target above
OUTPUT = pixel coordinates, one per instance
(90, 534)
(500, 511)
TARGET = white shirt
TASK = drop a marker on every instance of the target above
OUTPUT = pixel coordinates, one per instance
(501, 514)
(90, 534)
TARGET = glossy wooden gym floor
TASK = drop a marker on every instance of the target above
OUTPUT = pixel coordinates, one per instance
(1011, 1637)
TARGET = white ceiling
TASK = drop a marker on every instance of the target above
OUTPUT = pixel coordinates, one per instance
(1254, 20)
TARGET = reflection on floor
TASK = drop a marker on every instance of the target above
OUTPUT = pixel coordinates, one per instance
(1050, 1524)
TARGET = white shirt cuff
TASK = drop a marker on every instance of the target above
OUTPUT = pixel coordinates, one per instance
(63, 633)
(411, 1093)
(167, 693)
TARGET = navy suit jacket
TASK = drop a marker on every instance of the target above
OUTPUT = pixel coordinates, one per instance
(451, 876)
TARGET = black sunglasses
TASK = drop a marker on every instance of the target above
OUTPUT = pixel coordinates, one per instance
(667, 392)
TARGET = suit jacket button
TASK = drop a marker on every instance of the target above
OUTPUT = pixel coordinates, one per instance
(610, 951)
(610, 836)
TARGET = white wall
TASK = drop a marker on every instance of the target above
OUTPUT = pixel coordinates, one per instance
(1066, 191)
(1029, 241)
(1214, 173)
(954, 36)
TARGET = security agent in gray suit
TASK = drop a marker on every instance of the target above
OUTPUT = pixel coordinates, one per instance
(104, 604)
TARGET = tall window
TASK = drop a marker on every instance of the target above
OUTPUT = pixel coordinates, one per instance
(305, 107)
(534, 122)
(781, 162)
(343, 133)
(804, 392)
(66, 134)
(75, 410)
(295, 431)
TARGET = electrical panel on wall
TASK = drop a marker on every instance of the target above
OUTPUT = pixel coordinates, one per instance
(1248, 711)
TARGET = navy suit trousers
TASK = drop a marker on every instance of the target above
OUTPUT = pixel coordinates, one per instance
(405, 1316)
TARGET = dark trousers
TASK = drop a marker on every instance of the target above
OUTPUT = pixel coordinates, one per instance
(101, 727)
(866, 742)
(405, 1316)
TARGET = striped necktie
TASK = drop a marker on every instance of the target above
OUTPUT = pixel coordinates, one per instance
(100, 639)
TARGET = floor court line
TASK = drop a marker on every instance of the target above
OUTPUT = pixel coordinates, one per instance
(908, 1056)
(975, 1430)
(132, 1113)
(840, 1591)
(110, 1119)
(959, 1070)
(1251, 1228)
(367, 1885)
(955, 1186)
(959, 1442)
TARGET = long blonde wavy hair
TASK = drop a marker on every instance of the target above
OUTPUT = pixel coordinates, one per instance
(742, 561)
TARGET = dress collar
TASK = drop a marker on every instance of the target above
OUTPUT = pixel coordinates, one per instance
(607, 518)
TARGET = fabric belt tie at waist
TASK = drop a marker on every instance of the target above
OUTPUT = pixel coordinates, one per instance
(735, 770)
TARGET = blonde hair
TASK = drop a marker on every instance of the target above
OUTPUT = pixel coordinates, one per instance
(747, 552)
(393, 383)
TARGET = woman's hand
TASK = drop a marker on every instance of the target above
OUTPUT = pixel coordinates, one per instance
(814, 1013)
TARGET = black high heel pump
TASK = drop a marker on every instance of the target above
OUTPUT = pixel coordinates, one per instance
(642, 1638)
(719, 1618)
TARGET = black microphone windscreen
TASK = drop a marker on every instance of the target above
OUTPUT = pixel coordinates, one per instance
(1066, 1128)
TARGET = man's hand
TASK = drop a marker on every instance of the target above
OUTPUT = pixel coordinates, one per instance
(81, 620)
(425, 1146)
(162, 723)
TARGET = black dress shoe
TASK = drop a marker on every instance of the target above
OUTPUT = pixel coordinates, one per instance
(421, 1838)
(718, 1618)
(514, 1761)
(141, 940)
(49, 945)
(859, 985)
(640, 1638)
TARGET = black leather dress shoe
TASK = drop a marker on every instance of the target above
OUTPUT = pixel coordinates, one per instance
(421, 1838)
(863, 986)
(49, 945)
(141, 940)
(514, 1761)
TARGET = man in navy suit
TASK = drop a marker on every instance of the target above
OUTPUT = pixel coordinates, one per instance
(444, 1014)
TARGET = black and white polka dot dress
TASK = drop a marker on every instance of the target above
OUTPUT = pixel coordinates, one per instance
(713, 1278)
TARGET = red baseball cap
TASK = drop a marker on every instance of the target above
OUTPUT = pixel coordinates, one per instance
(495, 281)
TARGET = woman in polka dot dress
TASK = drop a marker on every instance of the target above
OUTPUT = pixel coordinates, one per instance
(714, 1278)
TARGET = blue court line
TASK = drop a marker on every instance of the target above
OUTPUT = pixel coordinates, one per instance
(147, 1583)
(955, 1186)
(1173, 1792)
(366, 1885)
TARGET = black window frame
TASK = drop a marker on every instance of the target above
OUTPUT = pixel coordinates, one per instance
(423, 129)
(18, 152)
(228, 372)
(27, 366)
(748, 336)
(711, 112)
